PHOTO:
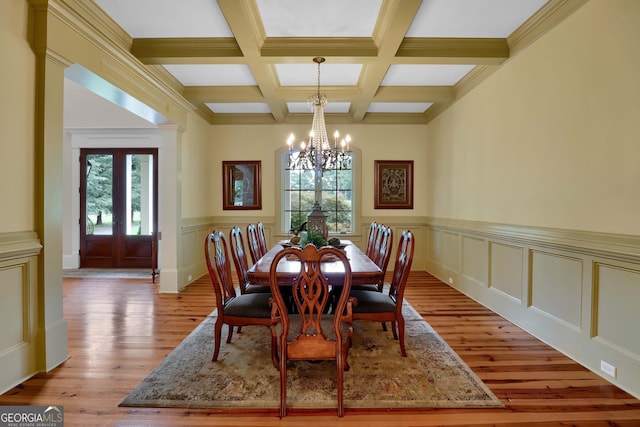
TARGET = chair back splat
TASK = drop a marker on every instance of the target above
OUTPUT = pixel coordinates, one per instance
(371, 239)
(255, 250)
(312, 326)
(262, 239)
(383, 254)
(242, 265)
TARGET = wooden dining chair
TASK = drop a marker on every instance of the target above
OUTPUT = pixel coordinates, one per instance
(381, 257)
(262, 238)
(242, 266)
(232, 309)
(255, 250)
(383, 307)
(371, 239)
(312, 333)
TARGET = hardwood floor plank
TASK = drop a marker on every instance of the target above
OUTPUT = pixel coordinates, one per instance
(121, 329)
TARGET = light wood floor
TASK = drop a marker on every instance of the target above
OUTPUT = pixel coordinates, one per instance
(120, 329)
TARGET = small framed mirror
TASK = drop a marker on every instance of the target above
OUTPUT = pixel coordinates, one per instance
(242, 185)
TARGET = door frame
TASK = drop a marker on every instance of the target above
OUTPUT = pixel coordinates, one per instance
(77, 139)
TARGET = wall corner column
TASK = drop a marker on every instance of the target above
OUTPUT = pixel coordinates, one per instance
(170, 209)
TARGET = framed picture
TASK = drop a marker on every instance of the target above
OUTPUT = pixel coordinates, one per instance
(242, 185)
(393, 184)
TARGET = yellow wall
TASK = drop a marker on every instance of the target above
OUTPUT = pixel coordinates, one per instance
(375, 142)
(552, 138)
(533, 190)
(16, 120)
(198, 168)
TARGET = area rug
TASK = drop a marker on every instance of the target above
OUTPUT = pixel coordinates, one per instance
(431, 376)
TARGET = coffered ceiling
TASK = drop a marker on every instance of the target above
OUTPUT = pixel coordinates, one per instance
(387, 61)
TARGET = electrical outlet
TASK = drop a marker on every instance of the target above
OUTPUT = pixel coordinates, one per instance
(608, 369)
(189, 277)
(451, 280)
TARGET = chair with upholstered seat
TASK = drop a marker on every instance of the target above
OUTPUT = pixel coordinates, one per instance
(382, 306)
(311, 333)
(232, 309)
(242, 265)
(253, 241)
(381, 257)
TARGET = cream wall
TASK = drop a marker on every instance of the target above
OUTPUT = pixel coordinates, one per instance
(20, 314)
(16, 120)
(260, 142)
(533, 190)
(199, 168)
(552, 138)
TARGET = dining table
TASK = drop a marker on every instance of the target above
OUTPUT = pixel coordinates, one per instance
(363, 269)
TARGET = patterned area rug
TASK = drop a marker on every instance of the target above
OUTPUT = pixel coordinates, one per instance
(432, 376)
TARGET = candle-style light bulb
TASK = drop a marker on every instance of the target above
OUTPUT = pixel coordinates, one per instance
(343, 144)
(348, 138)
(290, 140)
(336, 135)
(302, 145)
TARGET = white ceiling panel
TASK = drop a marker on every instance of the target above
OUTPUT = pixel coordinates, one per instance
(398, 107)
(313, 18)
(212, 74)
(239, 107)
(471, 18)
(307, 74)
(331, 107)
(168, 18)
(425, 75)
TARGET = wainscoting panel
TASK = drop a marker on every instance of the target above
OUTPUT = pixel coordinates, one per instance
(15, 304)
(475, 257)
(451, 249)
(577, 291)
(506, 269)
(434, 254)
(556, 286)
(617, 320)
(193, 261)
(21, 352)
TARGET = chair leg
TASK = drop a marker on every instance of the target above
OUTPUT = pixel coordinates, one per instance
(283, 383)
(230, 335)
(393, 329)
(340, 374)
(401, 331)
(217, 330)
(274, 351)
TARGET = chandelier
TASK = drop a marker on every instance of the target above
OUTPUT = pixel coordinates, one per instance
(318, 153)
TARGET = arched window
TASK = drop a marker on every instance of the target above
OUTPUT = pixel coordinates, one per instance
(298, 196)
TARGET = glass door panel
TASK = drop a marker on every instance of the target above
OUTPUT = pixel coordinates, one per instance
(139, 203)
(99, 194)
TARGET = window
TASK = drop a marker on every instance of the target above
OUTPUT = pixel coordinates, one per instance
(299, 196)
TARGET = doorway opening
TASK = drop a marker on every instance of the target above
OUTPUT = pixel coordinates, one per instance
(118, 207)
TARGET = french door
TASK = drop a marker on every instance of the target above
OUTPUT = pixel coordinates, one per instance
(118, 207)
